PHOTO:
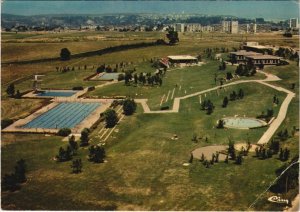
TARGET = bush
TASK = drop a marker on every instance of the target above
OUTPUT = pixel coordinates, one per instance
(64, 132)
(91, 88)
(129, 106)
(111, 118)
(6, 122)
(165, 108)
(121, 77)
(77, 88)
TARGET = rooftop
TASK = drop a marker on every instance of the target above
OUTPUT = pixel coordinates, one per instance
(244, 53)
(270, 57)
(259, 46)
(182, 57)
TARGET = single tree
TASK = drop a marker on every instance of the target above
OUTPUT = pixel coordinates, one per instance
(20, 170)
(65, 54)
(191, 158)
(225, 101)
(76, 166)
(111, 118)
(84, 139)
(11, 90)
(129, 106)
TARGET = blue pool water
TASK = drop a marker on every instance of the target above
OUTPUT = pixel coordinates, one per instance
(243, 123)
(110, 76)
(64, 115)
(57, 93)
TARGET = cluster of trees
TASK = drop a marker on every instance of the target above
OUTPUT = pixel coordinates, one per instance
(145, 79)
(283, 134)
(287, 53)
(11, 182)
(207, 163)
(107, 69)
(96, 154)
(284, 154)
(67, 68)
(232, 97)
(289, 179)
(235, 96)
(69, 152)
(263, 153)
(6, 122)
(245, 70)
(237, 157)
(172, 36)
(208, 106)
(11, 91)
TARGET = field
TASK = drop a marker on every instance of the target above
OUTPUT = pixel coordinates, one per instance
(144, 168)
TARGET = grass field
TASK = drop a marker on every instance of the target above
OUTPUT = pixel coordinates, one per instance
(144, 166)
(185, 81)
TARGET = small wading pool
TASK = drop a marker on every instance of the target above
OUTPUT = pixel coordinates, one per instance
(109, 76)
(56, 93)
(243, 123)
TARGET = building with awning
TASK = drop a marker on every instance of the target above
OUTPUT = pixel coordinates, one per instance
(182, 60)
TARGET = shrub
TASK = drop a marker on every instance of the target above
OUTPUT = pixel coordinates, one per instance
(91, 88)
(77, 88)
(6, 122)
(121, 77)
(165, 108)
(64, 132)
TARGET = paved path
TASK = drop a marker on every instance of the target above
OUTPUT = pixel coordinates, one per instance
(269, 78)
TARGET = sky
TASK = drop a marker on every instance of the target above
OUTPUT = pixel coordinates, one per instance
(274, 10)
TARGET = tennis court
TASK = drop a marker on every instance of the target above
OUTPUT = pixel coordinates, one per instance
(64, 115)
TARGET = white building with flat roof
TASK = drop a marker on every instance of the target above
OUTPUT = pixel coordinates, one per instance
(179, 27)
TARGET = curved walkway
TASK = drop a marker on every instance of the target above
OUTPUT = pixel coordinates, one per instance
(269, 78)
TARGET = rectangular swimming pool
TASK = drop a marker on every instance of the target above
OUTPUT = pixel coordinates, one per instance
(64, 115)
(57, 93)
(110, 76)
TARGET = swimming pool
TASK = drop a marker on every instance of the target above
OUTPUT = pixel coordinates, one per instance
(243, 123)
(63, 115)
(57, 93)
(109, 76)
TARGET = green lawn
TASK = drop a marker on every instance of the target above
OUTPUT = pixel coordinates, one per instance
(144, 166)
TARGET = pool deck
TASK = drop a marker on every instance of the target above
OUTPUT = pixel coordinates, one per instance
(86, 123)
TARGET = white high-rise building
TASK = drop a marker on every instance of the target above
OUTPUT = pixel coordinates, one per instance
(234, 27)
(294, 23)
(230, 26)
